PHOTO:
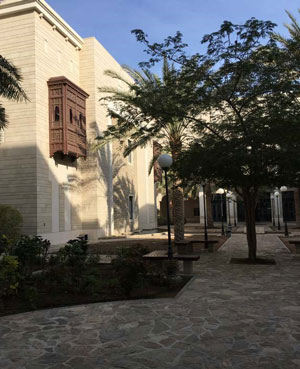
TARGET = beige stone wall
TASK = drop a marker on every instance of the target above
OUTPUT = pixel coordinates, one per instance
(99, 209)
(54, 57)
(60, 199)
(18, 164)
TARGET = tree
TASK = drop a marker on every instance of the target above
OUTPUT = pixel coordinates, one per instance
(10, 87)
(247, 99)
(147, 111)
(292, 44)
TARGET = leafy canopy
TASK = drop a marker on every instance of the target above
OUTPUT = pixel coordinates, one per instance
(246, 93)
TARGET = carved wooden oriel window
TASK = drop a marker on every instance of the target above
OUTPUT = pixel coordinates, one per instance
(67, 112)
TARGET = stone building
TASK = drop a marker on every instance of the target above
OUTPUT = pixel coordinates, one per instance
(48, 170)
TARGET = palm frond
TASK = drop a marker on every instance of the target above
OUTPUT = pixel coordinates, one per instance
(10, 78)
(3, 118)
(152, 162)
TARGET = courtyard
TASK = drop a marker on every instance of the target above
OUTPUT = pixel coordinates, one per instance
(228, 316)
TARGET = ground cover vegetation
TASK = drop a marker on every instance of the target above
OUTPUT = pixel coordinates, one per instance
(32, 278)
(239, 99)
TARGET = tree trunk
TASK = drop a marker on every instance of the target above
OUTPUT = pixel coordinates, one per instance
(250, 201)
(297, 205)
(178, 214)
(209, 207)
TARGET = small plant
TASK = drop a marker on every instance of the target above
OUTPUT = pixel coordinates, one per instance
(31, 252)
(9, 276)
(129, 267)
(30, 294)
(74, 254)
(4, 244)
(73, 268)
(10, 222)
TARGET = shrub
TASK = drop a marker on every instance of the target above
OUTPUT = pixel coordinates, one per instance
(9, 276)
(31, 252)
(4, 244)
(10, 222)
(74, 254)
(129, 267)
(73, 268)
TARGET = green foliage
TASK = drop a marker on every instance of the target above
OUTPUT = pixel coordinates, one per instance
(30, 295)
(9, 276)
(244, 102)
(4, 244)
(73, 269)
(32, 252)
(74, 254)
(129, 267)
(10, 223)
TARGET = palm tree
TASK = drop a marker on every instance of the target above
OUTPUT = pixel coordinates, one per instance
(10, 87)
(144, 113)
(294, 31)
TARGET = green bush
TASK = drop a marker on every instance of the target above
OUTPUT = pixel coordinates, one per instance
(32, 253)
(5, 244)
(10, 222)
(73, 254)
(129, 267)
(9, 276)
(72, 268)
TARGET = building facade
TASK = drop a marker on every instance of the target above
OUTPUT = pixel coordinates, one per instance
(49, 170)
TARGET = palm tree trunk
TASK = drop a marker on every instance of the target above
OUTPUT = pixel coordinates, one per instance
(209, 207)
(178, 214)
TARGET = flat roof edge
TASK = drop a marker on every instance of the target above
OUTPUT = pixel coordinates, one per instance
(46, 12)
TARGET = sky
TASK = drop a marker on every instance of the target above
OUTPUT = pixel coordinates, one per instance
(111, 21)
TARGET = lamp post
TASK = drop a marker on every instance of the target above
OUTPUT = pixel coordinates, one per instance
(165, 161)
(221, 191)
(286, 231)
(273, 210)
(228, 196)
(205, 224)
(276, 194)
(234, 211)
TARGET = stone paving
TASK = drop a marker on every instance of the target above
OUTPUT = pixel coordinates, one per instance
(229, 316)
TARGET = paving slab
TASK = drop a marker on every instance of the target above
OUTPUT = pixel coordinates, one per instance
(229, 316)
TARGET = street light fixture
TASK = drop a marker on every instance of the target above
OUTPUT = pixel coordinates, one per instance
(221, 191)
(276, 194)
(273, 209)
(165, 161)
(229, 196)
(205, 224)
(286, 231)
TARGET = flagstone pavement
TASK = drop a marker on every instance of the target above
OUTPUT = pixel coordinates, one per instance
(229, 316)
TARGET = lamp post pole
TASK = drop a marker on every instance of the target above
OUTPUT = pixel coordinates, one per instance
(205, 224)
(222, 215)
(286, 231)
(234, 212)
(276, 193)
(170, 251)
(228, 196)
(221, 191)
(273, 210)
(165, 161)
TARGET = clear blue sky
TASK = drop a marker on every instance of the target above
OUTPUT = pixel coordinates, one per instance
(111, 21)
